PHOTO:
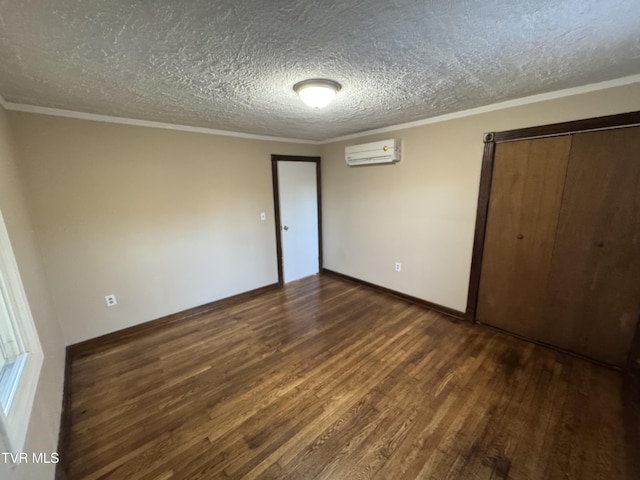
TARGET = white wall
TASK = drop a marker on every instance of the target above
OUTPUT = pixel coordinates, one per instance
(165, 220)
(422, 211)
(42, 435)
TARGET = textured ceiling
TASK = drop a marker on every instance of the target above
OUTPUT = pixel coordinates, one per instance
(231, 64)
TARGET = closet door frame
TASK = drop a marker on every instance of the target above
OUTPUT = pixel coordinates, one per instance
(490, 140)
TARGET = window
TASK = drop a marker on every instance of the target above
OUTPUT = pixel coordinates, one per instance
(20, 351)
(12, 353)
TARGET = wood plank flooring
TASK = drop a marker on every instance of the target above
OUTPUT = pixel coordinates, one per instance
(328, 379)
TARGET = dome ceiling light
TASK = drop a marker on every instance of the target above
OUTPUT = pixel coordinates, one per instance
(317, 93)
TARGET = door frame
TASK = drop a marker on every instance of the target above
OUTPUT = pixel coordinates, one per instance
(490, 140)
(275, 158)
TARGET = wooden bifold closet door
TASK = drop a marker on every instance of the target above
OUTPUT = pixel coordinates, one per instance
(561, 261)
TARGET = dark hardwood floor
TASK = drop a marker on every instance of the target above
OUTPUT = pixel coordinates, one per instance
(328, 379)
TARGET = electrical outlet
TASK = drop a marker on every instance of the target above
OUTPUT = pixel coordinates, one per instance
(111, 300)
(398, 267)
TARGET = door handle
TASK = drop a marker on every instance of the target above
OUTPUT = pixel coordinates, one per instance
(285, 228)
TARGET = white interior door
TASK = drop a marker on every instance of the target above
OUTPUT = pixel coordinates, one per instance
(298, 196)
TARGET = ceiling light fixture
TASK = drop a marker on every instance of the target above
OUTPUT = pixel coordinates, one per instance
(317, 93)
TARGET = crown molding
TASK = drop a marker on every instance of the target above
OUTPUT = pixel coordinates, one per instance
(56, 112)
(542, 97)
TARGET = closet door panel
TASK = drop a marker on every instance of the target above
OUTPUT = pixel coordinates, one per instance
(526, 192)
(593, 302)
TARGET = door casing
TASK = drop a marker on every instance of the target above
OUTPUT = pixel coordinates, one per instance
(276, 206)
(490, 140)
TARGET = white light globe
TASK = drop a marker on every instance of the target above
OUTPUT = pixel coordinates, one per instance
(317, 93)
(317, 97)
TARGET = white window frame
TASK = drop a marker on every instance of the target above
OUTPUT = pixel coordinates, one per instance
(13, 425)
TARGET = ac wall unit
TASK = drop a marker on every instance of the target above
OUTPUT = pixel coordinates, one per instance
(386, 151)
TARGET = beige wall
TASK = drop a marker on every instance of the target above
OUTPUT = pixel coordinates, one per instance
(421, 211)
(165, 220)
(42, 435)
(168, 220)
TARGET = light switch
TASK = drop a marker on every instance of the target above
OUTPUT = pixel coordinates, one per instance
(263, 216)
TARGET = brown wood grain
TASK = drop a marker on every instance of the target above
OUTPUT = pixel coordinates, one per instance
(90, 346)
(526, 195)
(566, 128)
(622, 120)
(328, 379)
(450, 312)
(484, 194)
(64, 435)
(593, 301)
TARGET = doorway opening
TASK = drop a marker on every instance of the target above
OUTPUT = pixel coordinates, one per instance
(298, 216)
